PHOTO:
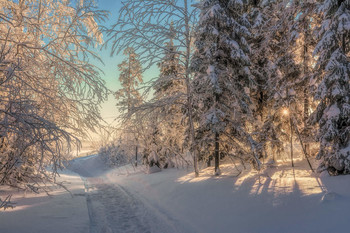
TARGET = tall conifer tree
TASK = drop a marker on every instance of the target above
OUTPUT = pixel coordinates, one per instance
(222, 77)
(129, 97)
(170, 96)
(333, 93)
(130, 77)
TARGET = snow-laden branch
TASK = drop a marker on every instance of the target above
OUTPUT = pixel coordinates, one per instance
(49, 90)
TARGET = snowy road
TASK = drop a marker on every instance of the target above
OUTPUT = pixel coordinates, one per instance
(112, 209)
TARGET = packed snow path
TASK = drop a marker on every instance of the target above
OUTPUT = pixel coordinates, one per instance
(112, 209)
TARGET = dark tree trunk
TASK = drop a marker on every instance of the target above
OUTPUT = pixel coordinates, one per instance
(217, 149)
(291, 141)
(216, 154)
(306, 117)
(209, 161)
(306, 88)
(136, 156)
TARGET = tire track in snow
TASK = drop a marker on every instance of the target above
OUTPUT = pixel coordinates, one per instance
(111, 210)
(163, 221)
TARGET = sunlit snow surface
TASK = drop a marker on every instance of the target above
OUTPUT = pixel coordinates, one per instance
(38, 213)
(278, 180)
(126, 199)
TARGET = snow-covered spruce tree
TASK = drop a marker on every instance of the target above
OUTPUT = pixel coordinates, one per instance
(280, 36)
(279, 83)
(264, 71)
(169, 93)
(281, 67)
(129, 97)
(222, 78)
(333, 93)
(130, 77)
(154, 143)
(50, 92)
(288, 85)
(170, 81)
(305, 26)
(303, 29)
(259, 17)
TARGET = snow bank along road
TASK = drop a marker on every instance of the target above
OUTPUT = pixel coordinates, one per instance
(112, 209)
(61, 212)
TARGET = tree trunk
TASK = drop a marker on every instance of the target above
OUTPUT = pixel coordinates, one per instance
(136, 156)
(291, 140)
(306, 88)
(306, 117)
(209, 161)
(216, 154)
(217, 146)
(302, 145)
(188, 87)
(291, 127)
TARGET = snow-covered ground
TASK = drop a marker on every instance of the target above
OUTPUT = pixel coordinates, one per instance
(128, 200)
(39, 213)
(280, 202)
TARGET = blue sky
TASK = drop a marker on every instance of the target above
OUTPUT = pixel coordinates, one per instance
(109, 110)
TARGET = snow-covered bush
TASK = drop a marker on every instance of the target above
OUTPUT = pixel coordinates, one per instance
(113, 155)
